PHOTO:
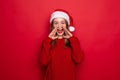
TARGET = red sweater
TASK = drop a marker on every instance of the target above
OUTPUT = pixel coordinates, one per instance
(60, 61)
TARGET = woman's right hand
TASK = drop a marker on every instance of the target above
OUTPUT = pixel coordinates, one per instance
(52, 34)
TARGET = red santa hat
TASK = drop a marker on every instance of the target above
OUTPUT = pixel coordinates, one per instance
(59, 13)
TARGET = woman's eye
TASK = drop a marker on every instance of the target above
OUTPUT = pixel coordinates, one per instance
(55, 23)
(63, 23)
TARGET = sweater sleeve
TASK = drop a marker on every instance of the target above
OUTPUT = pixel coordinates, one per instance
(45, 56)
(77, 53)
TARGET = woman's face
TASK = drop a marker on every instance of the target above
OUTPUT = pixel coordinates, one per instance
(59, 23)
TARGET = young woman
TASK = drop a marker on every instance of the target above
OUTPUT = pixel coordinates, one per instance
(61, 50)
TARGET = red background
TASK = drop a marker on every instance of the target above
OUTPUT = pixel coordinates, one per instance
(25, 23)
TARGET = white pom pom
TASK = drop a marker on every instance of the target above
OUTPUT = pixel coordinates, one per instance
(71, 28)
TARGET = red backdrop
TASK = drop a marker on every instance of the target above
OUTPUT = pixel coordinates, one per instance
(25, 23)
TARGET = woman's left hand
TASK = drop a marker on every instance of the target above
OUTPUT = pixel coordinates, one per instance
(67, 33)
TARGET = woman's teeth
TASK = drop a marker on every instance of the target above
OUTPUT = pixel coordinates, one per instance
(60, 31)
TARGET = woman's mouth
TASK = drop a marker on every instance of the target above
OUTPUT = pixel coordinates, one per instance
(60, 31)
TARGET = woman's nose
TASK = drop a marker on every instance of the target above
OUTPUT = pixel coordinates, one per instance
(59, 26)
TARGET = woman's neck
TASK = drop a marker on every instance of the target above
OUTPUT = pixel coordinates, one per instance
(60, 37)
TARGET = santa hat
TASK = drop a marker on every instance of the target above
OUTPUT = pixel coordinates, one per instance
(59, 13)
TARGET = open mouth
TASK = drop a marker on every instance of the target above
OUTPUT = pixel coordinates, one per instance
(59, 31)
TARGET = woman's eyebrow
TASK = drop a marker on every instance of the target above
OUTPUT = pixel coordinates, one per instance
(55, 21)
(62, 21)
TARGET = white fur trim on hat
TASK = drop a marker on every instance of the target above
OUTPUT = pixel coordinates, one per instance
(59, 14)
(71, 28)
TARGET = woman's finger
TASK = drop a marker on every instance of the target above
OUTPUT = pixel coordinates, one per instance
(53, 32)
(54, 37)
(67, 32)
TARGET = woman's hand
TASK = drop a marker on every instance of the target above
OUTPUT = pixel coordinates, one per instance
(52, 35)
(67, 33)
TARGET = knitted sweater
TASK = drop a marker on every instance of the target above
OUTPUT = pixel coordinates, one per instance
(61, 61)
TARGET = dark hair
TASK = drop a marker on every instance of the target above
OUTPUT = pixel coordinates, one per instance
(66, 41)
